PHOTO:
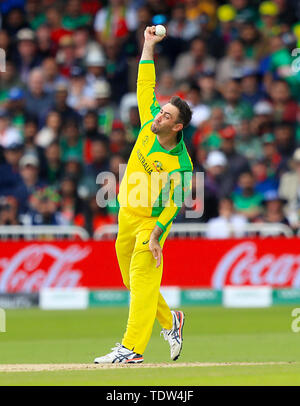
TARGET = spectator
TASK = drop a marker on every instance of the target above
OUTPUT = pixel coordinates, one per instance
(51, 130)
(9, 211)
(34, 13)
(54, 168)
(60, 103)
(246, 200)
(285, 139)
(95, 64)
(8, 133)
(9, 169)
(250, 37)
(73, 17)
(273, 205)
(247, 143)
(70, 204)
(115, 20)
(193, 62)
(117, 139)
(226, 29)
(237, 163)
(15, 20)
(133, 125)
(43, 209)
(71, 141)
(82, 43)
(65, 56)
(234, 107)
(8, 80)
(104, 106)
(95, 217)
(27, 57)
(289, 188)
(264, 182)
(234, 63)
(180, 27)
(207, 83)
(228, 224)
(273, 160)
(209, 132)
(99, 159)
(262, 121)
(117, 69)
(216, 183)
(53, 20)
(51, 74)
(30, 145)
(29, 171)
(166, 88)
(80, 96)
(250, 88)
(200, 111)
(37, 101)
(15, 106)
(268, 11)
(45, 46)
(284, 107)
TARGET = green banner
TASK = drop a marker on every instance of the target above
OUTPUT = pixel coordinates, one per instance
(113, 297)
(204, 297)
(286, 296)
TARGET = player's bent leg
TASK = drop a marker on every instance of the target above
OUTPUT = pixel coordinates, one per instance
(145, 281)
(163, 314)
(174, 336)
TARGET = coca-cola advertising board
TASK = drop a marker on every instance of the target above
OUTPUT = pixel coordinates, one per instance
(30, 266)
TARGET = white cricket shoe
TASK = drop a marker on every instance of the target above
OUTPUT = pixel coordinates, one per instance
(120, 355)
(174, 336)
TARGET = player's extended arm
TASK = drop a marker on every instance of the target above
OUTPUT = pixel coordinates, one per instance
(180, 187)
(147, 103)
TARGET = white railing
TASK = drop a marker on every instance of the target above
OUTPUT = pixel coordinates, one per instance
(42, 232)
(193, 230)
(181, 230)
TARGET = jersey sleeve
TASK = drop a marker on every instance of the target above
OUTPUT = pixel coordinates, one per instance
(147, 103)
(180, 188)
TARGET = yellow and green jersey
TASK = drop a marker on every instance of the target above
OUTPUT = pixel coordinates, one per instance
(156, 181)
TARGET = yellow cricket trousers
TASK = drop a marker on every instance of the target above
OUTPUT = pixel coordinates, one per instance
(142, 278)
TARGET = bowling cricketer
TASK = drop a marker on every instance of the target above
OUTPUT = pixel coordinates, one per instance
(155, 183)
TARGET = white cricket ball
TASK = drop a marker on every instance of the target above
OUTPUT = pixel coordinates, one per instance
(160, 30)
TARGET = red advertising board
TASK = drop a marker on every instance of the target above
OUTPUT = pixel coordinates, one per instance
(28, 266)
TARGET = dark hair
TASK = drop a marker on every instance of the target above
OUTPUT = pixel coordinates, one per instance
(185, 113)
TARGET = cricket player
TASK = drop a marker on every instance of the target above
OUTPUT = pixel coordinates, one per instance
(155, 183)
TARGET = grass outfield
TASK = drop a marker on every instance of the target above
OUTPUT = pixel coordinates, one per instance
(211, 335)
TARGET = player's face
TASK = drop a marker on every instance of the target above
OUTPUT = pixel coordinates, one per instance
(166, 120)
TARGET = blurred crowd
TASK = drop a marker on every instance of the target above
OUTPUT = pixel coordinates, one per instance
(68, 108)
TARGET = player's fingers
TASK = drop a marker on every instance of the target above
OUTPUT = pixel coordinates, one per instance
(158, 258)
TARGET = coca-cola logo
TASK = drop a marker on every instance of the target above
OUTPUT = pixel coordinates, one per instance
(242, 266)
(39, 266)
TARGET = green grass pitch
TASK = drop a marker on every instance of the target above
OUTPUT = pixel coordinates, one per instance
(211, 335)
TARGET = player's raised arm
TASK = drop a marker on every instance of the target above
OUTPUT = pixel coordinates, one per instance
(147, 103)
